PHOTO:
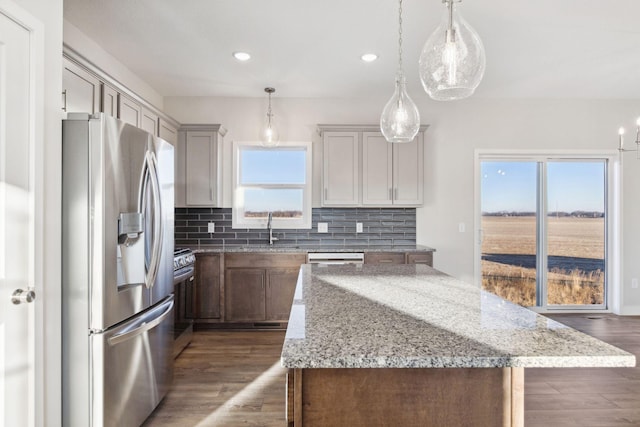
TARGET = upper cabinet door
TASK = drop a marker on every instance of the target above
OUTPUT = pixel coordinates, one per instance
(377, 169)
(201, 168)
(149, 122)
(109, 101)
(341, 171)
(408, 172)
(167, 132)
(129, 111)
(80, 90)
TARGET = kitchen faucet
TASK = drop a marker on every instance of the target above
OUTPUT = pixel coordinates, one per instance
(271, 238)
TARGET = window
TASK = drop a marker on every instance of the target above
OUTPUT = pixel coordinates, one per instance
(544, 222)
(276, 180)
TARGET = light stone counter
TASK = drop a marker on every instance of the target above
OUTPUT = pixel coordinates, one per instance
(412, 316)
(276, 248)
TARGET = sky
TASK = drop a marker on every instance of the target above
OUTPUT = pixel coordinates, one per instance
(571, 186)
(269, 166)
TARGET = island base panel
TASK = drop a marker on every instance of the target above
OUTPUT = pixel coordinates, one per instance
(407, 397)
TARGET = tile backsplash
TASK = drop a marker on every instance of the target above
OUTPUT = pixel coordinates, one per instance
(381, 227)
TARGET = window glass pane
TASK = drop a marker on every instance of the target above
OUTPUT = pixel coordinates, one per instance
(272, 166)
(283, 203)
(508, 203)
(575, 232)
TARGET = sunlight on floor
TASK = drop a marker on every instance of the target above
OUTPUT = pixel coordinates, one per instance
(223, 415)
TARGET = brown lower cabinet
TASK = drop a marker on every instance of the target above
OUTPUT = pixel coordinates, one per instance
(421, 257)
(260, 286)
(243, 289)
(207, 287)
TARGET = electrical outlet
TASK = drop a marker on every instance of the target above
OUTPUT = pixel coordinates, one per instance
(358, 227)
(323, 227)
(211, 227)
(462, 227)
(634, 283)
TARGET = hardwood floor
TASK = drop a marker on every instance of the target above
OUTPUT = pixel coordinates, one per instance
(595, 397)
(226, 379)
(235, 379)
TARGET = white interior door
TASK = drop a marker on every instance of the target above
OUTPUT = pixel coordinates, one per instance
(17, 220)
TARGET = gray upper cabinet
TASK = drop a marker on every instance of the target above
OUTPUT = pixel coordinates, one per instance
(377, 170)
(109, 101)
(198, 175)
(149, 121)
(80, 89)
(129, 111)
(88, 89)
(408, 172)
(341, 169)
(167, 131)
(393, 174)
(360, 168)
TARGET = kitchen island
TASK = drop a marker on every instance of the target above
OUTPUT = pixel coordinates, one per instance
(408, 345)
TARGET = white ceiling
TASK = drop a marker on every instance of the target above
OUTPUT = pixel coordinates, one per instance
(311, 48)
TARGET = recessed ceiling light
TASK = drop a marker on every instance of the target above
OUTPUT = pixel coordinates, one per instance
(369, 57)
(241, 56)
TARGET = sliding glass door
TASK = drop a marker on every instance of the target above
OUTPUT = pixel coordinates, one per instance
(576, 232)
(543, 231)
(509, 230)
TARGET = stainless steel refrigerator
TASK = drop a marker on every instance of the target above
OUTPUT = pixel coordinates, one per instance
(117, 271)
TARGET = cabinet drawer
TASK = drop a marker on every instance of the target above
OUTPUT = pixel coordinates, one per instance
(264, 260)
(384, 258)
(420, 258)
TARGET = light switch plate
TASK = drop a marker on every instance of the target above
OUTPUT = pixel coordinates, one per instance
(323, 227)
(211, 227)
(358, 227)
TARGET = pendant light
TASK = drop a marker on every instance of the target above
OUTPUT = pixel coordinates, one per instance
(400, 119)
(452, 62)
(269, 134)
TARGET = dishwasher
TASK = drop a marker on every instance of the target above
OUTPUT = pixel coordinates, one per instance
(326, 258)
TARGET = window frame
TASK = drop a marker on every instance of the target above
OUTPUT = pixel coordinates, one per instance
(238, 219)
(612, 223)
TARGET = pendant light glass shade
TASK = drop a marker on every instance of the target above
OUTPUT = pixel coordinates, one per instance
(400, 119)
(453, 61)
(269, 136)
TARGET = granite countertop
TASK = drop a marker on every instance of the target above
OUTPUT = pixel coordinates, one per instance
(304, 249)
(413, 316)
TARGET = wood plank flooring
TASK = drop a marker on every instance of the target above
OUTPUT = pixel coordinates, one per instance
(226, 379)
(595, 397)
(234, 379)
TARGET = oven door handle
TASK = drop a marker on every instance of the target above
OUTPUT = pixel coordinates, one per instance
(183, 274)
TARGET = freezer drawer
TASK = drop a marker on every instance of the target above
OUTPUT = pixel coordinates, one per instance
(133, 367)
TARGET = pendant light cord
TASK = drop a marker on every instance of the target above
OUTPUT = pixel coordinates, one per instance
(400, 37)
(269, 110)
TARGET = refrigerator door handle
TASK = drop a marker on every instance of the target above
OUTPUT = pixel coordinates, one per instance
(150, 175)
(143, 325)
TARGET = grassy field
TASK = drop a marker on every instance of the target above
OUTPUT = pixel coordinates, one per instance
(576, 254)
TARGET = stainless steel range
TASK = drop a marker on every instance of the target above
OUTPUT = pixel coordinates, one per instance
(184, 266)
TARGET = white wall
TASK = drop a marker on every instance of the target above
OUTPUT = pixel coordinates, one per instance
(49, 12)
(456, 130)
(88, 48)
